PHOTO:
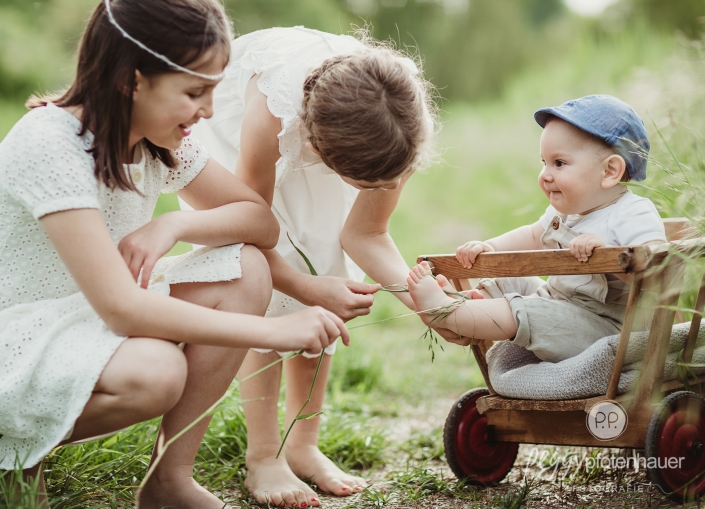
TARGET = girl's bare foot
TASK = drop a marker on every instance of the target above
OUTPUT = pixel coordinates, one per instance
(308, 462)
(429, 294)
(177, 493)
(271, 481)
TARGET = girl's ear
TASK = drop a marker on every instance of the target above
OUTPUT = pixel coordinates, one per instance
(139, 85)
(614, 167)
(310, 146)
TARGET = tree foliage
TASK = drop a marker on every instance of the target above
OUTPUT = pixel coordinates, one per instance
(470, 48)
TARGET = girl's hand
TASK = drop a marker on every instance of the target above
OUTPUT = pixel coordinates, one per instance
(581, 246)
(312, 330)
(344, 297)
(142, 248)
(467, 253)
(452, 337)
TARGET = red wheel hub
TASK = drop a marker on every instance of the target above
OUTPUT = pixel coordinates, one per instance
(680, 449)
(482, 459)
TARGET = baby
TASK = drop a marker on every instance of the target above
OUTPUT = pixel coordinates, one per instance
(589, 146)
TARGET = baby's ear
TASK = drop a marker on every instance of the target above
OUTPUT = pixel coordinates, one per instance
(614, 168)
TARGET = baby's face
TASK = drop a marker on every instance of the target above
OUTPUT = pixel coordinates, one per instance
(572, 173)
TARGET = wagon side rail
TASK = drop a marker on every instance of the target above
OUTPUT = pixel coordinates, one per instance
(665, 262)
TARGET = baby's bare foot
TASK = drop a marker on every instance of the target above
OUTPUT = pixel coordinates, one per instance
(271, 481)
(177, 493)
(308, 462)
(429, 294)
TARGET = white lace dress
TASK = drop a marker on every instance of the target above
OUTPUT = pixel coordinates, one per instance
(53, 345)
(311, 201)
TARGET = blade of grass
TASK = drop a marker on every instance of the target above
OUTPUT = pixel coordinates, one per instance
(300, 417)
(308, 262)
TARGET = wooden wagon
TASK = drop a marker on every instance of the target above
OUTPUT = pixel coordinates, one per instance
(483, 430)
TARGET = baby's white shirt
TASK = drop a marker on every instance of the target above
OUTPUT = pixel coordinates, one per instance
(632, 220)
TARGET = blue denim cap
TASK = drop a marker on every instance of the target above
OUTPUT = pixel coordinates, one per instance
(612, 121)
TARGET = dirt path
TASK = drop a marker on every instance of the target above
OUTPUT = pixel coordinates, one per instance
(542, 477)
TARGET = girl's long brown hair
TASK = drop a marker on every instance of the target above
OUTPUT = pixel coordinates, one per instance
(181, 30)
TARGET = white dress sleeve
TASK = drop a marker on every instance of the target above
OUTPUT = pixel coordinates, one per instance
(191, 158)
(48, 169)
(283, 57)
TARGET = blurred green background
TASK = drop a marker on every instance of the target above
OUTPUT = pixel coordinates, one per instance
(493, 63)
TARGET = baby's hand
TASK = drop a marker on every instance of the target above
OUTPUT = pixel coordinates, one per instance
(467, 253)
(581, 246)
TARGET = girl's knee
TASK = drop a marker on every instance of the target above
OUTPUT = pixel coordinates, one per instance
(169, 371)
(256, 275)
(158, 377)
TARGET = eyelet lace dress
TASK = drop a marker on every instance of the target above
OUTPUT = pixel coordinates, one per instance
(53, 345)
(311, 201)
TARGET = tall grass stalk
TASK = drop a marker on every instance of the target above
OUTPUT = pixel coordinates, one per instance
(312, 415)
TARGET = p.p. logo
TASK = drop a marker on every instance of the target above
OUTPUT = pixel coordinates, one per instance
(606, 420)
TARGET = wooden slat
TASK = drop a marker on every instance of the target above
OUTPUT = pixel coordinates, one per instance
(491, 403)
(673, 385)
(695, 323)
(488, 403)
(462, 284)
(670, 292)
(604, 260)
(564, 428)
(659, 336)
(482, 364)
(555, 262)
(632, 303)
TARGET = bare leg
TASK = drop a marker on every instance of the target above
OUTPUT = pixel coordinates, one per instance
(31, 476)
(144, 378)
(302, 453)
(210, 372)
(488, 319)
(269, 479)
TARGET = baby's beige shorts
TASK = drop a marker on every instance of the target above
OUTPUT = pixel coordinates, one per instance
(552, 329)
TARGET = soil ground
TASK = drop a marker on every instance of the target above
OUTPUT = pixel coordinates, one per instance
(542, 477)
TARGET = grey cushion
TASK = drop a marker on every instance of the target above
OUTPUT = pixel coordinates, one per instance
(517, 373)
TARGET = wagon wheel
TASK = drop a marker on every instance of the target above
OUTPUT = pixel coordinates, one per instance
(677, 430)
(472, 454)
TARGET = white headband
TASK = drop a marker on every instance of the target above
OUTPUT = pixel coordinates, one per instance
(213, 77)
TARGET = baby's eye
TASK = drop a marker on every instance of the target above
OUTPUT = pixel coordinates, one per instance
(194, 95)
(559, 163)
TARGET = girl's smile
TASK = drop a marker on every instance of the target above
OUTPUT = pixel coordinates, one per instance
(166, 106)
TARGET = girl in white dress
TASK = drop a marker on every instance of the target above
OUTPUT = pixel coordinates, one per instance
(327, 129)
(79, 251)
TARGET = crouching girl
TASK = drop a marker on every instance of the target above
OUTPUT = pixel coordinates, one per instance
(90, 317)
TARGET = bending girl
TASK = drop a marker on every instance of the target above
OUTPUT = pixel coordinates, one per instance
(327, 129)
(79, 179)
